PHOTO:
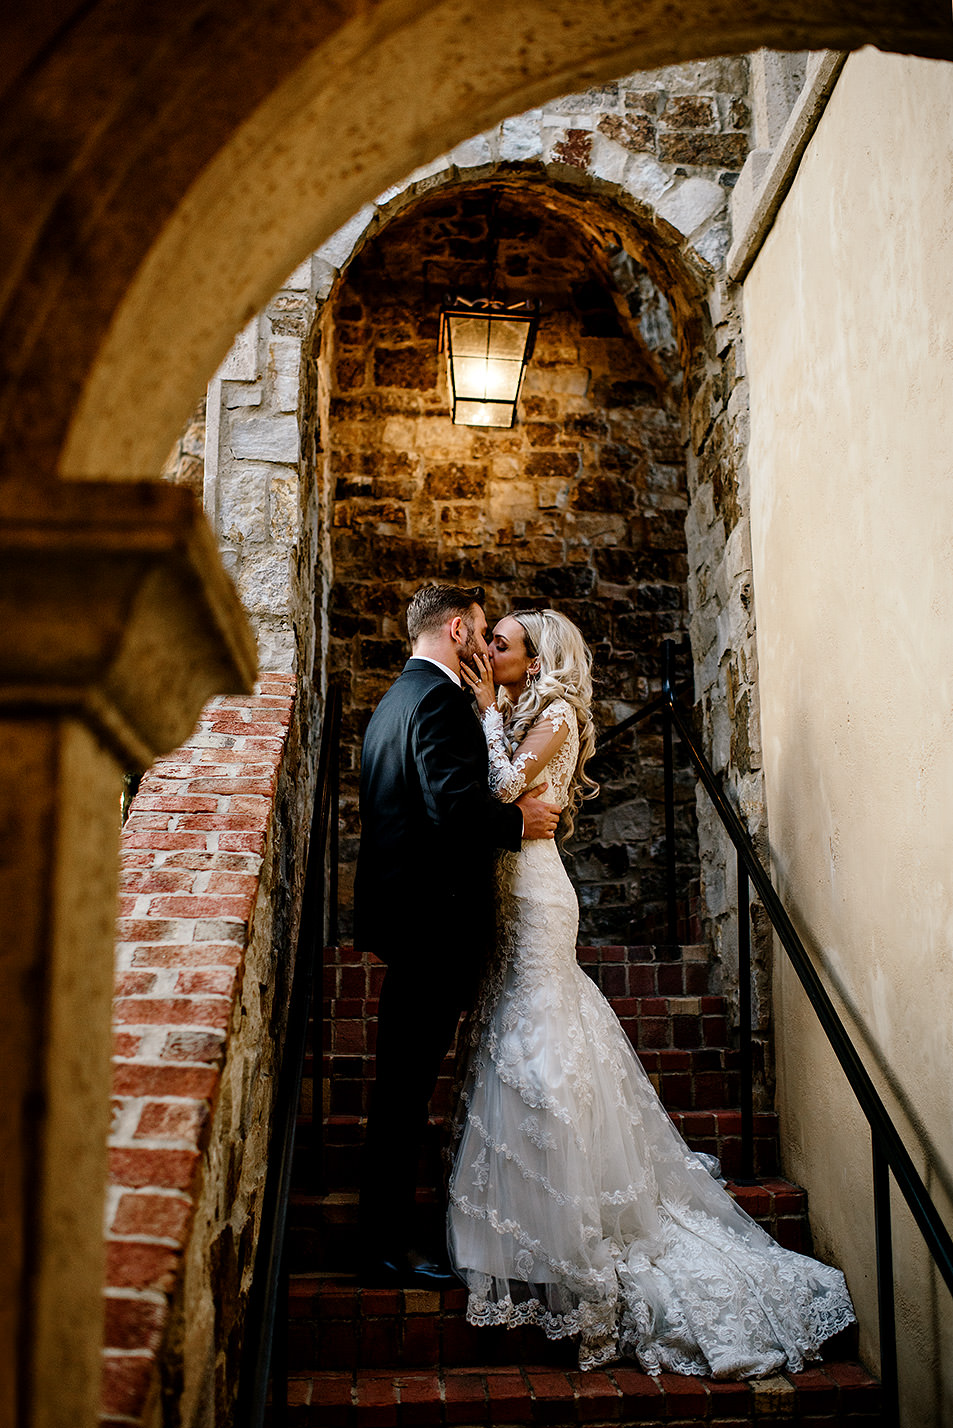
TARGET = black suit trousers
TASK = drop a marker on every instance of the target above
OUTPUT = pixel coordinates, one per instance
(420, 1006)
(423, 903)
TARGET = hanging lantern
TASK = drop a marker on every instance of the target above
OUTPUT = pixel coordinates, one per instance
(488, 344)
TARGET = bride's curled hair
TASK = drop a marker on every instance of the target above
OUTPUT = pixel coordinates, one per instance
(565, 672)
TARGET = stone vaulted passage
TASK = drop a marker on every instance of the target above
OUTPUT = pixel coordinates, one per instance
(581, 505)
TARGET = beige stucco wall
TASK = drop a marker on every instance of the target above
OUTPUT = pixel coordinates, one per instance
(849, 330)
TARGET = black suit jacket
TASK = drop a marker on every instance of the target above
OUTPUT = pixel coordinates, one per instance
(429, 823)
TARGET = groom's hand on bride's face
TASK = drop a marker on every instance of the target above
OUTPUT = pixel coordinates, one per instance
(539, 818)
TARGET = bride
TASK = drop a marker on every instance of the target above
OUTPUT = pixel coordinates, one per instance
(574, 1203)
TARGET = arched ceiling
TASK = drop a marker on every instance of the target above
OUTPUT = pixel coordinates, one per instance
(601, 215)
(166, 166)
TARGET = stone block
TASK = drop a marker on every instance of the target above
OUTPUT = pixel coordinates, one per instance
(691, 204)
(590, 101)
(737, 560)
(471, 154)
(689, 146)
(634, 132)
(553, 464)
(283, 508)
(689, 111)
(455, 481)
(289, 313)
(241, 394)
(265, 439)
(746, 192)
(569, 147)
(265, 582)
(721, 75)
(242, 501)
(627, 822)
(412, 368)
(645, 179)
(567, 381)
(241, 364)
(642, 101)
(323, 277)
(552, 492)
(713, 244)
(339, 247)
(422, 177)
(284, 371)
(520, 137)
(300, 279)
(512, 498)
(607, 160)
(597, 529)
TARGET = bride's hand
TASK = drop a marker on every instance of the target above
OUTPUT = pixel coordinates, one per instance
(479, 680)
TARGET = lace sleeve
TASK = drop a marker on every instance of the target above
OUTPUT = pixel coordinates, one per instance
(512, 776)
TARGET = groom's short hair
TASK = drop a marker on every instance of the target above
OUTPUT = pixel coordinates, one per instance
(434, 605)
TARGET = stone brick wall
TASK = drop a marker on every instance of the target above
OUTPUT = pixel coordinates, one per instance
(209, 891)
(581, 505)
(185, 464)
(259, 491)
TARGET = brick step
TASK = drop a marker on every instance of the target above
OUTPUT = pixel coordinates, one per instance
(643, 971)
(651, 1022)
(716, 1131)
(702, 1078)
(838, 1392)
(323, 1234)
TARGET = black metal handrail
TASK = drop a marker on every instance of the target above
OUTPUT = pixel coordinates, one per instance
(265, 1339)
(889, 1154)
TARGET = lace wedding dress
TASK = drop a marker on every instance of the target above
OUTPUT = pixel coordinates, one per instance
(574, 1203)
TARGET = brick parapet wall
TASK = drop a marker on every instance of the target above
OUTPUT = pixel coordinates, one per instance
(205, 933)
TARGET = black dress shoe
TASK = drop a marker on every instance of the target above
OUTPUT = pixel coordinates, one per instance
(407, 1269)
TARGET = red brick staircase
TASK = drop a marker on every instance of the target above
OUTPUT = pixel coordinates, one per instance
(389, 1358)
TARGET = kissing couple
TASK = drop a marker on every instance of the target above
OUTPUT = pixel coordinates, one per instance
(574, 1203)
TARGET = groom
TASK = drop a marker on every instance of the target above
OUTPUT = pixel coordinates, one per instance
(423, 902)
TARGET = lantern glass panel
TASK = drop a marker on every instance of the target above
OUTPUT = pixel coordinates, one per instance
(503, 380)
(469, 336)
(467, 413)
(508, 339)
(469, 376)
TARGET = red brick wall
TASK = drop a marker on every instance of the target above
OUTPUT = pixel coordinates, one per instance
(204, 942)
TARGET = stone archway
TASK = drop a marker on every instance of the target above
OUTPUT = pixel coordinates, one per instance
(580, 505)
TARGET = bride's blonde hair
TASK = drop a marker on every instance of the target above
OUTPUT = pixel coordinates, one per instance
(565, 672)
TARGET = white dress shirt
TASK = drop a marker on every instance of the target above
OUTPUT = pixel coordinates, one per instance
(430, 660)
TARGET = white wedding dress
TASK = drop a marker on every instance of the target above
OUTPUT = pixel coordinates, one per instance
(574, 1203)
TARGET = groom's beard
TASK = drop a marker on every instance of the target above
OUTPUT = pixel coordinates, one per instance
(470, 650)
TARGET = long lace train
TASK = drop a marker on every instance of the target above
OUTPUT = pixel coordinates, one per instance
(574, 1203)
